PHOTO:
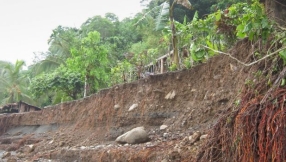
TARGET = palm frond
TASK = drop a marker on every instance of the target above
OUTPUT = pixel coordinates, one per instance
(4, 101)
(26, 98)
(13, 82)
(46, 65)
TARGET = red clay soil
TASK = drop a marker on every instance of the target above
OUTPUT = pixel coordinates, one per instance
(85, 129)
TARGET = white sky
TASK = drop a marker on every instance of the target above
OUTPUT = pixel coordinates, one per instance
(25, 25)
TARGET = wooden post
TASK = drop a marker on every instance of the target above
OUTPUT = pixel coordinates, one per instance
(162, 66)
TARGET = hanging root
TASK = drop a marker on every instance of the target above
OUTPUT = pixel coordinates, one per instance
(255, 132)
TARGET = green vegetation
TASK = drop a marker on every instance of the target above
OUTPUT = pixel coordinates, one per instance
(62, 84)
(13, 82)
(105, 51)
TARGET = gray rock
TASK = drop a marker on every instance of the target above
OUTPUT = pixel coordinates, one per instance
(61, 143)
(195, 137)
(216, 77)
(170, 95)
(203, 136)
(162, 127)
(28, 148)
(134, 136)
(116, 107)
(165, 135)
(133, 107)
(232, 67)
(98, 147)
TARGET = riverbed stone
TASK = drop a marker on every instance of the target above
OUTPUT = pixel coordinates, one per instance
(134, 136)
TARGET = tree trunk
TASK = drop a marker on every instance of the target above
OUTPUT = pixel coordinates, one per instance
(174, 38)
(85, 86)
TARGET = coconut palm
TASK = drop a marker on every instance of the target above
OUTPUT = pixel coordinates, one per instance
(61, 41)
(13, 83)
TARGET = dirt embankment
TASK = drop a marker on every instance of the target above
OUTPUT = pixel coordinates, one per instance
(84, 130)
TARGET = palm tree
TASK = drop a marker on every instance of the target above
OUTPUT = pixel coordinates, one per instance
(61, 41)
(13, 83)
(47, 65)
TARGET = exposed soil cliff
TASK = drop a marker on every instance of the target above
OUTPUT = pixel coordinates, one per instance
(85, 130)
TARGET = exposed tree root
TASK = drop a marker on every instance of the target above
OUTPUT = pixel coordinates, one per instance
(255, 132)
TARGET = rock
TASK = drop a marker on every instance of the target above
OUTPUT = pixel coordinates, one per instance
(6, 154)
(195, 137)
(116, 107)
(184, 123)
(62, 143)
(164, 160)
(170, 95)
(12, 159)
(185, 141)
(133, 107)
(98, 147)
(216, 77)
(51, 141)
(28, 148)
(162, 127)
(32, 148)
(232, 67)
(134, 136)
(203, 136)
(174, 156)
(165, 135)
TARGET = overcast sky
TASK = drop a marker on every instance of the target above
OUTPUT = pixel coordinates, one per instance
(25, 25)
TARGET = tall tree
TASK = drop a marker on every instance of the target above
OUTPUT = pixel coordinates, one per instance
(104, 26)
(60, 43)
(13, 82)
(90, 60)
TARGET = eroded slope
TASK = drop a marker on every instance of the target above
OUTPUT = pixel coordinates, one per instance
(86, 128)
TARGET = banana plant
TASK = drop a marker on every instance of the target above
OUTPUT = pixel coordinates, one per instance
(166, 15)
(167, 11)
(188, 5)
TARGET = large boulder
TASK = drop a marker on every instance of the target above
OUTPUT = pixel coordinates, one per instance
(134, 136)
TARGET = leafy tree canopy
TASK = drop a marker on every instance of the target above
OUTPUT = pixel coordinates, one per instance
(62, 81)
(91, 61)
